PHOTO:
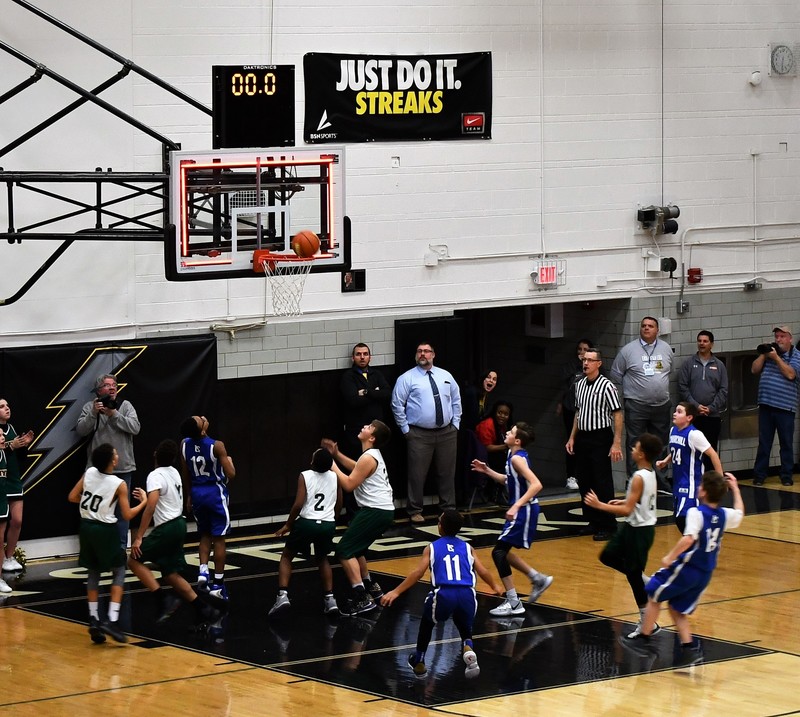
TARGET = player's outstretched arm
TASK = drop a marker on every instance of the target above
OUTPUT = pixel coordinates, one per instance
(125, 509)
(411, 579)
(144, 523)
(297, 506)
(733, 486)
(333, 448)
(75, 494)
(481, 467)
(224, 460)
(487, 577)
(716, 463)
(364, 467)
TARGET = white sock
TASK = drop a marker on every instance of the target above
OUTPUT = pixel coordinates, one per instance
(93, 611)
(113, 611)
(511, 596)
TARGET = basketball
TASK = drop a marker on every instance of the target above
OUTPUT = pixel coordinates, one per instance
(305, 243)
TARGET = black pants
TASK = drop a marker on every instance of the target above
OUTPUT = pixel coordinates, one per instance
(568, 418)
(593, 471)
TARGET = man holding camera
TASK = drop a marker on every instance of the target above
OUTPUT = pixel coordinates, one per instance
(105, 419)
(778, 365)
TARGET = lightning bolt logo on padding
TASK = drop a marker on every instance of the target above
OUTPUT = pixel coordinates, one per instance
(324, 123)
(59, 440)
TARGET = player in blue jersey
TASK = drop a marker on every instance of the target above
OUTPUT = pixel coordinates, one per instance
(687, 446)
(688, 566)
(207, 468)
(453, 565)
(521, 518)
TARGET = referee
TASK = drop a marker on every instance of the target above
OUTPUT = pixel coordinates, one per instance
(596, 440)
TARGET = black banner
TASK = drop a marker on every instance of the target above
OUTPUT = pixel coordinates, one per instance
(46, 387)
(367, 98)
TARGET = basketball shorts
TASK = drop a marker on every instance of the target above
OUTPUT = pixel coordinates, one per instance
(521, 531)
(210, 508)
(631, 545)
(680, 585)
(99, 546)
(306, 533)
(367, 526)
(447, 601)
(164, 546)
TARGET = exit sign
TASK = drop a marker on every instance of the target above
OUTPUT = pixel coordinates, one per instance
(547, 274)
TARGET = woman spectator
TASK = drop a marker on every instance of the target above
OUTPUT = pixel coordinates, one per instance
(491, 432)
(13, 486)
(475, 400)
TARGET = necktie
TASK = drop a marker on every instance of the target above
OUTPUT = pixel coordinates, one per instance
(437, 400)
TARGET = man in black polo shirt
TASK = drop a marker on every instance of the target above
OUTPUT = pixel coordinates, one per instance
(596, 440)
(366, 394)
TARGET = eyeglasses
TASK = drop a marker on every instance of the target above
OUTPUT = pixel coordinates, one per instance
(424, 351)
(587, 360)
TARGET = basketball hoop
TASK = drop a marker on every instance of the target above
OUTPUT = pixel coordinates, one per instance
(286, 276)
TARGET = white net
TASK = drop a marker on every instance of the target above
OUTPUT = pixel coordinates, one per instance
(286, 278)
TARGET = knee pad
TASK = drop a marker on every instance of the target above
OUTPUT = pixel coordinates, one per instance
(500, 558)
(118, 576)
(93, 580)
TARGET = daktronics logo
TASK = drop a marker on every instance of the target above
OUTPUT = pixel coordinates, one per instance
(472, 123)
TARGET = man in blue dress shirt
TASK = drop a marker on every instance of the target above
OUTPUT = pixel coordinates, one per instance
(426, 404)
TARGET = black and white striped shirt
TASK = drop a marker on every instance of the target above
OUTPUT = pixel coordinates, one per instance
(595, 403)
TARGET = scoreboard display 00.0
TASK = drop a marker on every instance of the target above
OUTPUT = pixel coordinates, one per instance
(253, 106)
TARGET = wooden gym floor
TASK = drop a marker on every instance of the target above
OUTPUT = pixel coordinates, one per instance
(561, 658)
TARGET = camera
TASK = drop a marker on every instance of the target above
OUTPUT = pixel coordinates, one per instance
(766, 348)
(107, 401)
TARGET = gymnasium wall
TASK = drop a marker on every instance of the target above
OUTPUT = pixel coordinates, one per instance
(598, 108)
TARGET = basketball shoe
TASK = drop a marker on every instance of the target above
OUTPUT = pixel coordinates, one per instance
(505, 608)
(538, 586)
(472, 669)
(417, 665)
(281, 603)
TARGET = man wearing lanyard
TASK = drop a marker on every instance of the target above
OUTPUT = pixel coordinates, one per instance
(426, 404)
(642, 368)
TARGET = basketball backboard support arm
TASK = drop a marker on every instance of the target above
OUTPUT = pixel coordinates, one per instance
(225, 204)
(112, 190)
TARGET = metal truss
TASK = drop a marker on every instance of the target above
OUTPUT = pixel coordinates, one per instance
(107, 216)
